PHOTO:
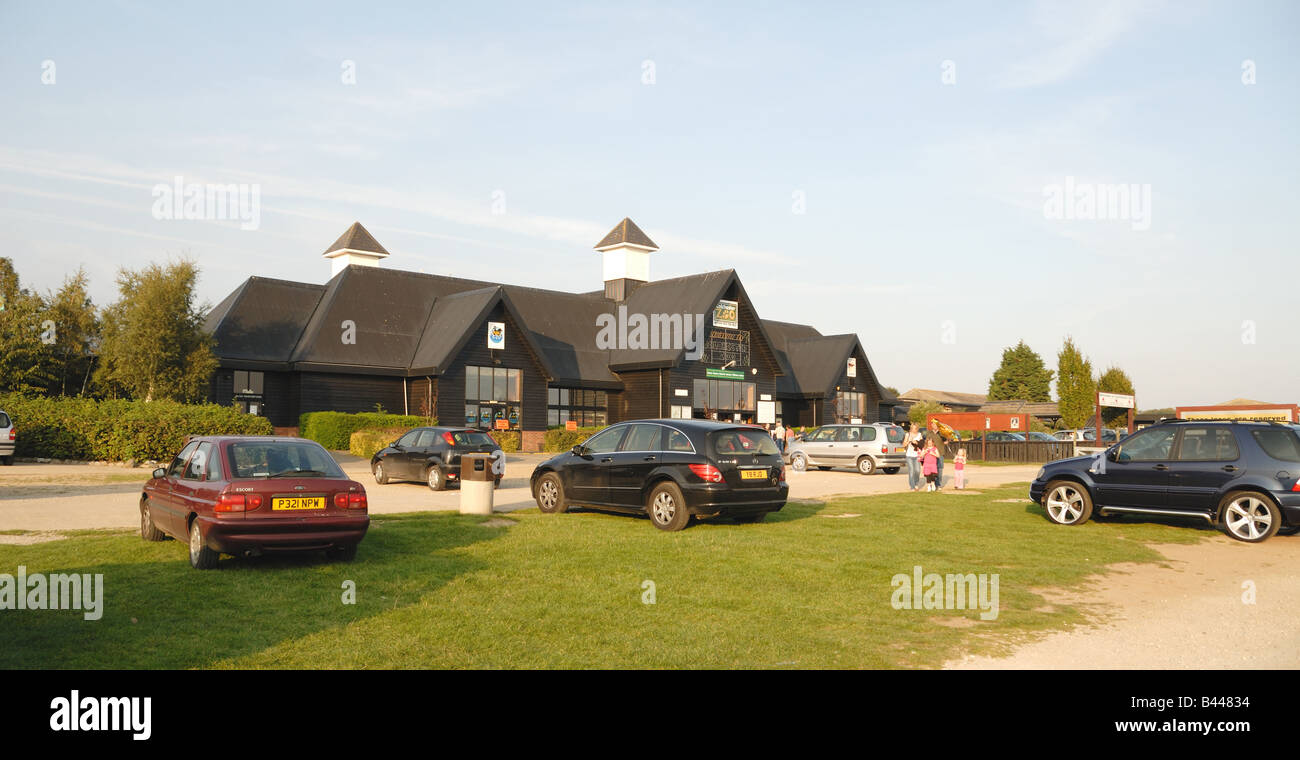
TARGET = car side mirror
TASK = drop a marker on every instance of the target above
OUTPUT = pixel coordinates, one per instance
(395, 445)
(160, 473)
(578, 450)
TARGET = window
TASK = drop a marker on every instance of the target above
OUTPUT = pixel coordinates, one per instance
(642, 438)
(725, 395)
(605, 441)
(201, 463)
(857, 434)
(585, 407)
(425, 440)
(850, 405)
(1207, 444)
(268, 459)
(178, 464)
(742, 441)
(823, 434)
(680, 412)
(492, 394)
(248, 383)
(1150, 445)
(1280, 443)
(408, 441)
(677, 441)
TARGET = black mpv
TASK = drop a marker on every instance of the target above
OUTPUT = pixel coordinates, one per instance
(1239, 475)
(670, 469)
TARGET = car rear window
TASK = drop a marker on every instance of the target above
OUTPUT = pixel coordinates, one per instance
(271, 459)
(4, 420)
(1279, 443)
(742, 441)
(894, 434)
(470, 438)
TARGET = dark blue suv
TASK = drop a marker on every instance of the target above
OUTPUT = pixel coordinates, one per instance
(1239, 475)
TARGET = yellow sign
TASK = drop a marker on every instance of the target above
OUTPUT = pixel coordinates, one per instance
(298, 502)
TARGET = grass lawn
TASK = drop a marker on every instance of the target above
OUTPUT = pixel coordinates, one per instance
(808, 588)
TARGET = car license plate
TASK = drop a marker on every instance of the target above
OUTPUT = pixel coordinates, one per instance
(298, 502)
(753, 474)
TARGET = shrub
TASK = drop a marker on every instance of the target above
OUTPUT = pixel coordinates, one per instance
(117, 429)
(334, 430)
(508, 440)
(559, 439)
(366, 443)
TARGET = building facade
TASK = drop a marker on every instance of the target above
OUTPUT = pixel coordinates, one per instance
(499, 356)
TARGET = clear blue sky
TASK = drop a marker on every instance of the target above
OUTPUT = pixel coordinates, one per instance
(924, 200)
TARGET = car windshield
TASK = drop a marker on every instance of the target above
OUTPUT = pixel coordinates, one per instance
(280, 459)
(471, 438)
(742, 441)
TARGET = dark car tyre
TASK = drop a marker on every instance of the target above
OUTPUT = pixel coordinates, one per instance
(381, 475)
(1288, 530)
(1249, 516)
(798, 462)
(149, 531)
(342, 553)
(201, 557)
(667, 508)
(1067, 502)
(890, 470)
(550, 495)
(866, 465)
(434, 477)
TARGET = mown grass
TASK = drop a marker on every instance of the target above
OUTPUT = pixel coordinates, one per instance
(805, 589)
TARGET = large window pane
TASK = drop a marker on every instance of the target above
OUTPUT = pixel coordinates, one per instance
(552, 396)
(725, 399)
(513, 378)
(485, 384)
(499, 384)
(471, 383)
(564, 397)
(701, 393)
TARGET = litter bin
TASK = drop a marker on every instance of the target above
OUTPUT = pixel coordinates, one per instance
(476, 484)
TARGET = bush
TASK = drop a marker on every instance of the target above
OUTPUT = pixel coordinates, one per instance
(117, 429)
(334, 430)
(366, 443)
(508, 440)
(559, 439)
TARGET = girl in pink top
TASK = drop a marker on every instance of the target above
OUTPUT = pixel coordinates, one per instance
(959, 462)
(930, 466)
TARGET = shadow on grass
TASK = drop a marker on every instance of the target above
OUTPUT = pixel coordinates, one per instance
(160, 613)
(1192, 520)
(791, 511)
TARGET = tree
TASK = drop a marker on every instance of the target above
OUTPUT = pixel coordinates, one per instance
(1115, 380)
(76, 327)
(25, 361)
(921, 409)
(1075, 389)
(1022, 376)
(154, 345)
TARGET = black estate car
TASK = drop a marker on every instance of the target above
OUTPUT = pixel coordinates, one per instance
(1242, 476)
(669, 469)
(432, 455)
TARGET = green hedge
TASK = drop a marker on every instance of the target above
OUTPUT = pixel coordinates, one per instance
(508, 440)
(366, 443)
(559, 439)
(334, 430)
(117, 429)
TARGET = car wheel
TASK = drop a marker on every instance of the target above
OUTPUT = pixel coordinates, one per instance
(866, 465)
(436, 480)
(1288, 530)
(201, 557)
(550, 495)
(890, 470)
(1249, 516)
(798, 462)
(381, 475)
(149, 531)
(342, 553)
(667, 507)
(1067, 503)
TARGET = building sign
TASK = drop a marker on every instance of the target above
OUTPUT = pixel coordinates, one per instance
(1265, 412)
(726, 314)
(570, 424)
(766, 412)
(977, 420)
(496, 335)
(724, 374)
(853, 367)
(1116, 399)
(725, 346)
(502, 424)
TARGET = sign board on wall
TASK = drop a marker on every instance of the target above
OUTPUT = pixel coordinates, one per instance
(1116, 399)
(727, 314)
(1277, 412)
(981, 421)
(724, 374)
(571, 425)
(853, 367)
(496, 335)
(502, 424)
(766, 412)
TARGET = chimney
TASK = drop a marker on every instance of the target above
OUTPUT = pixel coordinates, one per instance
(626, 251)
(356, 246)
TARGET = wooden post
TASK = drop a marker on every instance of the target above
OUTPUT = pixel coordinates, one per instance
(1131, 410)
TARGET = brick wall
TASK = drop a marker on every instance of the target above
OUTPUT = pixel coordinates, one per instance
(531, 440)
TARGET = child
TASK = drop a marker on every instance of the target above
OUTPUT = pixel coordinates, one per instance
(959, 463)
(930, 465)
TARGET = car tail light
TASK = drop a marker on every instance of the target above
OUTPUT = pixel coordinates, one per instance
(238, 502)
(781, 477)
(446, 436)
(1296, 487)
(13, 434)
(357, 500)
(341, 500)
(884, 449)
(707, 472)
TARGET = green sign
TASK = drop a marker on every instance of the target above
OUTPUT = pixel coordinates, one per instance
(724, 374)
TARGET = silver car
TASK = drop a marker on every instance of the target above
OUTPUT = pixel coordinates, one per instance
(8, 439)
(866, 448)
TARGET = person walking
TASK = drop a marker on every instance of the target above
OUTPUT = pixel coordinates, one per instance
(959, 464)
(930, 466)
(936, 437)
(912, 443)
(778, 435)
(789, 436)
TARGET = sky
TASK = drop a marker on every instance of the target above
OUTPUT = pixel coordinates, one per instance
(915, 173)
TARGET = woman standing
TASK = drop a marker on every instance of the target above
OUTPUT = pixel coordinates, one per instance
(912, 444)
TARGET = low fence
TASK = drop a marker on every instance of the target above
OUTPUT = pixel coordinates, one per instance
(1028, 452)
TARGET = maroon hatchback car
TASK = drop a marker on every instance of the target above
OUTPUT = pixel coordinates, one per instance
(247, 496)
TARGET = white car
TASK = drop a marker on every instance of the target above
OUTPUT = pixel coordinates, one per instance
(8, 439)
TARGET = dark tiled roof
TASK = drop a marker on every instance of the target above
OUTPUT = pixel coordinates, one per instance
(626, 231)
(357, 238)
(263, 319)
